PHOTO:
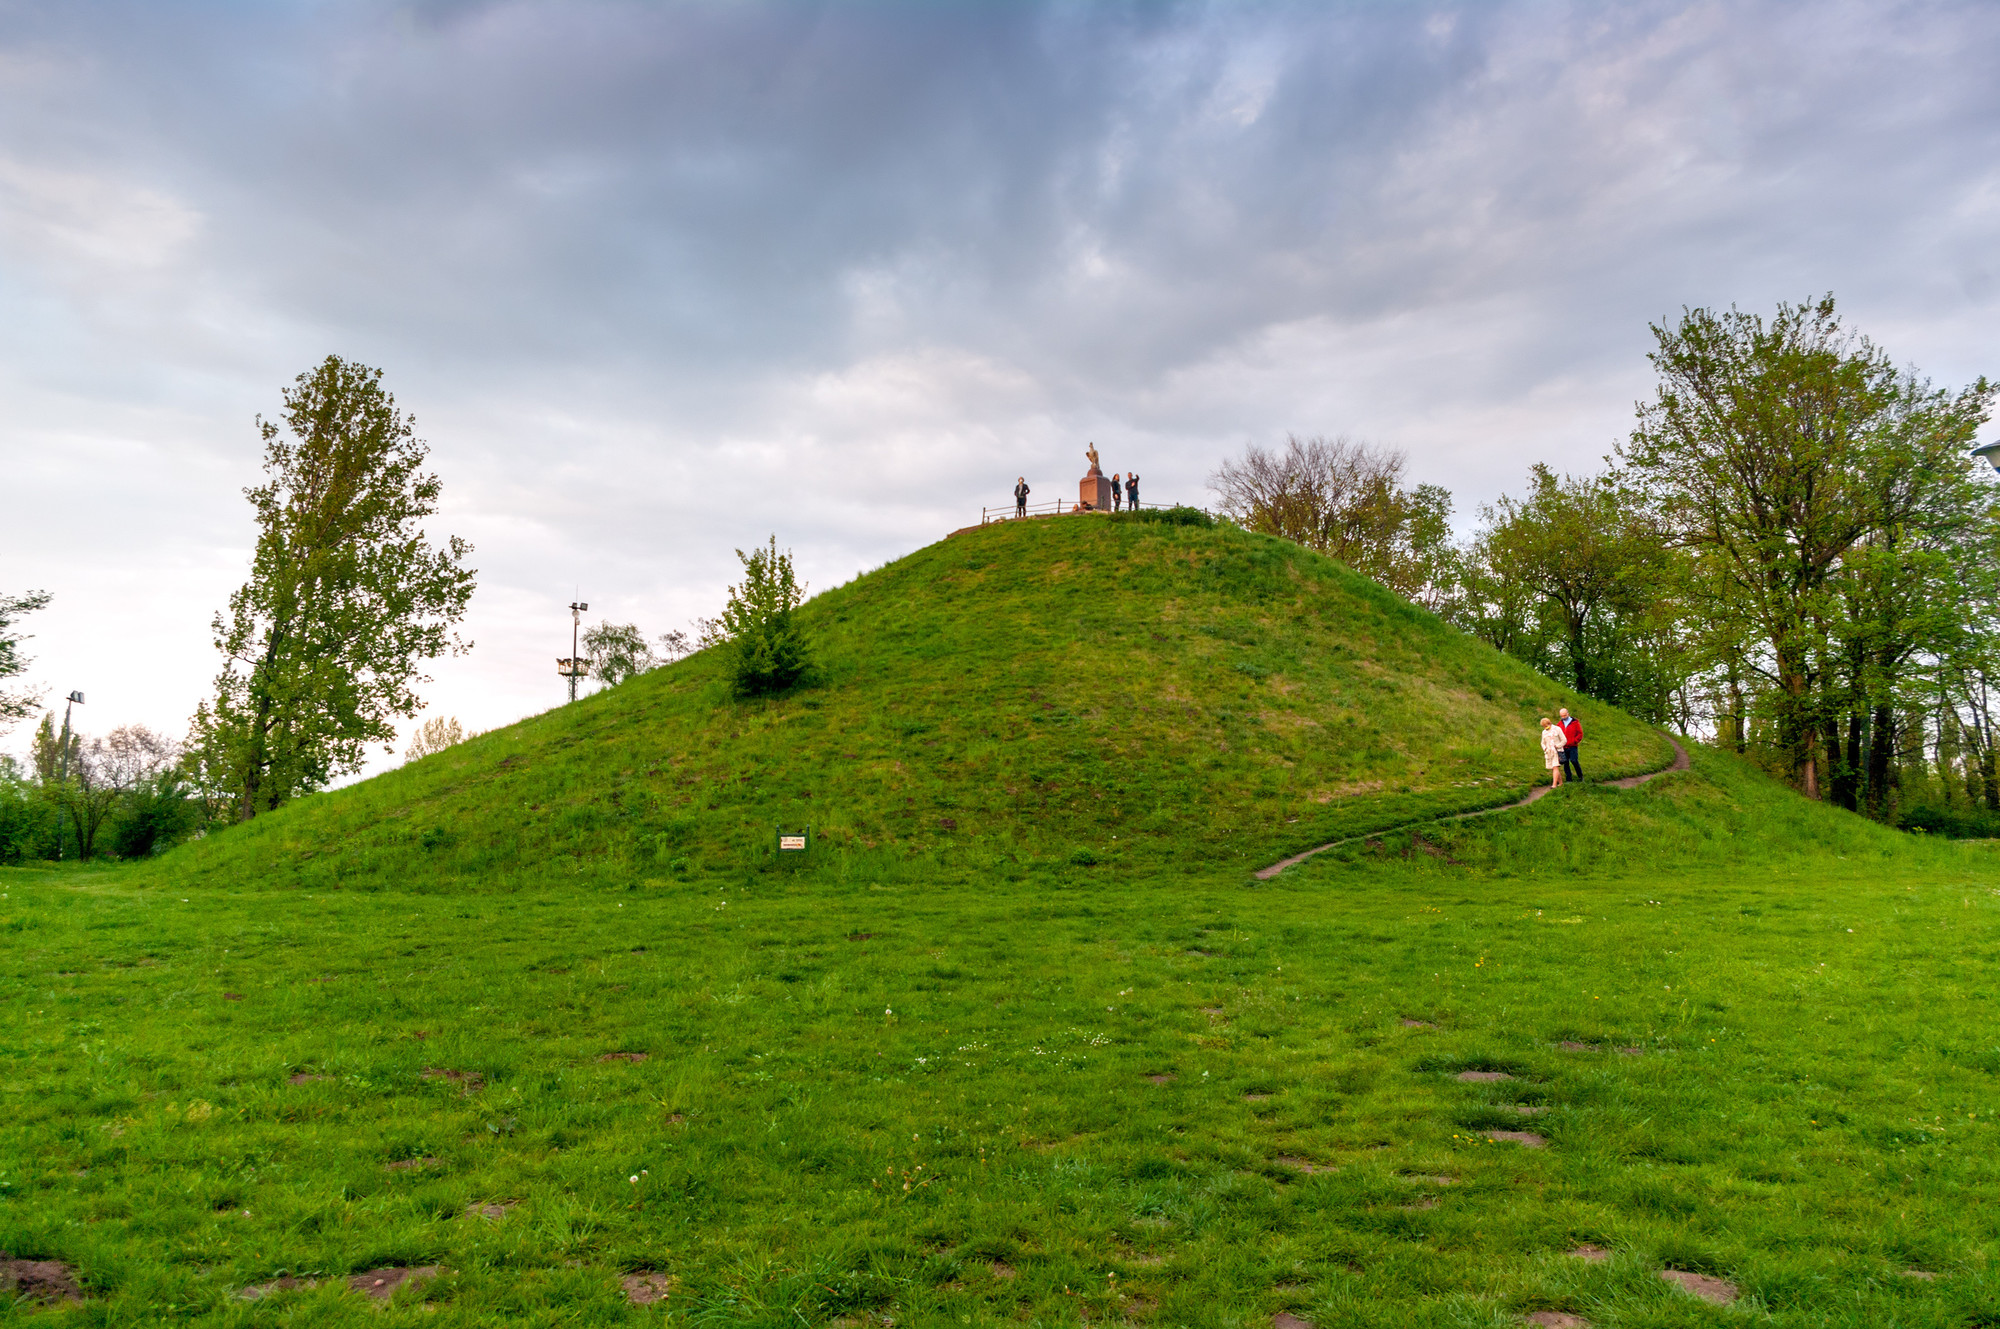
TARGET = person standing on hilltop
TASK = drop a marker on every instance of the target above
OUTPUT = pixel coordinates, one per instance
(1114, 491)
(1021, 497)
(1131, 489)
(1552, 750)
(1572, 733)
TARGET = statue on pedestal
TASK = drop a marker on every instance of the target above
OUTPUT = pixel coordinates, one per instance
(1090, 451)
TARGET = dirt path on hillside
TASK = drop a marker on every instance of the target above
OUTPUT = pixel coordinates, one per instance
(1679, 763)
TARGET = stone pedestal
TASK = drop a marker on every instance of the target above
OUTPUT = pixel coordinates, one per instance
(1095, 489)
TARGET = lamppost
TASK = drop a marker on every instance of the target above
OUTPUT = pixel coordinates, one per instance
(62, 757)
(75, 699)
(572, 668)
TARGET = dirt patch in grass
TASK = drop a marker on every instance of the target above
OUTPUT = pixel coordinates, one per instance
(1719, 1291)
(1161, 1077)
(1001, 1269)
(259, 1291)
(1571, 1045)
(1483, 1077)
(1256, 1096)
(305, 1077)
(492, 1210)
(468, 1082)
(644, 1287)
(1521, 1109)
(48, 1281)
(1556, 1320)
(381, 1284)
(1287, 1320)
(860, 936)
(1408, 1023)
(1924, 1274)
(411, 1164)
(232, 996)
(634, 1057)
(1594, 1254)
(1526, 1139)
(1304, 1164)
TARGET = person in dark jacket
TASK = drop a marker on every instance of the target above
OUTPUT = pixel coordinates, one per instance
(1021, 497)
(1572, 765)
(1131, 489)
(1114, 491)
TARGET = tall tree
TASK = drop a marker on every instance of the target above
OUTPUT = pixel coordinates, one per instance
(347, 596)
(16, 705)
(1758, 450)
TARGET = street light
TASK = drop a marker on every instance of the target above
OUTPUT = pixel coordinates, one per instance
(75, 699)
(573, 668)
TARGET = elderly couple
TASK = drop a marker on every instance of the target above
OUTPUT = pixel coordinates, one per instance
(1559, 741)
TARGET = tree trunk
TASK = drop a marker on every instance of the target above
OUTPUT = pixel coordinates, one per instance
(1881, 749)
(1847, 775)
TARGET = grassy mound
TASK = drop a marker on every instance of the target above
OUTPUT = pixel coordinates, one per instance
(1056, 697)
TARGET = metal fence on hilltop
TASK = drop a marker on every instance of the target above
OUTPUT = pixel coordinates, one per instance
(1057, 508)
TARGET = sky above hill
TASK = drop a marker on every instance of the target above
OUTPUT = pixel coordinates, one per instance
(659, 280)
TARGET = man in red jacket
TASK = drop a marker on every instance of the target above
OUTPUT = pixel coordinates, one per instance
(1572, 735)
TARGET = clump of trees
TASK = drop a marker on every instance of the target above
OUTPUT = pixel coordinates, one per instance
(124, 794)
(1794, 550)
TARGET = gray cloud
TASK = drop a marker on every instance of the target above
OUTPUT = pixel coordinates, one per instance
(660, 279)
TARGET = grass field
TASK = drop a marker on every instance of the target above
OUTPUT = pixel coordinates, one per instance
(865, 1102)
(1023, 1042)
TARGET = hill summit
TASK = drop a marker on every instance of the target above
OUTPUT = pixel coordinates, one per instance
(1062, 696)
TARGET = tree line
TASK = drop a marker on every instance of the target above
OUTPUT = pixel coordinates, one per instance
(1794, 550)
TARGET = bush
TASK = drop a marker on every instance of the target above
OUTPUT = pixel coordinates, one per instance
(768, 649)
(1951, 823)
(1179, 515)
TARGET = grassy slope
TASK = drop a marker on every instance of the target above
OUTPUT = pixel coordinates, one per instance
(1016, 699)
(1810, 1113)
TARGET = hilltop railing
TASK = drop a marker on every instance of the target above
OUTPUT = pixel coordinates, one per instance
(1057, 508)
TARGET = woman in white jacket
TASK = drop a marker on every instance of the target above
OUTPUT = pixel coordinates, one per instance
(1552, 750)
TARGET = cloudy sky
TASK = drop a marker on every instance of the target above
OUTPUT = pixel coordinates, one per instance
(658, 280)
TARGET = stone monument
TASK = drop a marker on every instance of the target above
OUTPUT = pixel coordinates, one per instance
(1095, 490)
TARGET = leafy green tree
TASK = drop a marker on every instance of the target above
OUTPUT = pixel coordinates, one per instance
(768, 649)
(16, 705)
(1592, 561)
(616, 652)
(1762, 451)
(346, 597)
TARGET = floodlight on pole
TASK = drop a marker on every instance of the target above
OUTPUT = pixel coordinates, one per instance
(573, 667)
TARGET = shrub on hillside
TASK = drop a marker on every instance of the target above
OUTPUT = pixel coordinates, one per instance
(1179, 515)
(768, 650)
(1952, 823)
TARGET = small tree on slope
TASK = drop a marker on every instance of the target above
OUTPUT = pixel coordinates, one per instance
(769, 651)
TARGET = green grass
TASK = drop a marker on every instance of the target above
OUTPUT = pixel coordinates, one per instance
(1035, 700)
(1810, 1114)
(984, 1018)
